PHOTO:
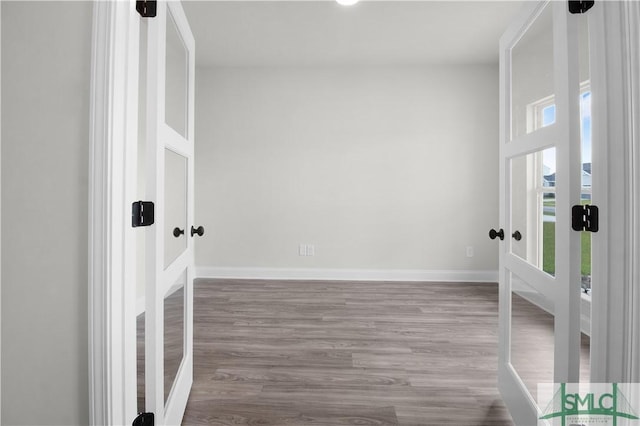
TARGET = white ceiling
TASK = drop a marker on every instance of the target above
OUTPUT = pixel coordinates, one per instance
(323, 33)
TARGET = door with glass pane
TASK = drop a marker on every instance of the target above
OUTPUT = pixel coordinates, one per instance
(169, 181)
(539, 182)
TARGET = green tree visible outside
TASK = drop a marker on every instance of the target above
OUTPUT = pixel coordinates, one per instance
(549, 250)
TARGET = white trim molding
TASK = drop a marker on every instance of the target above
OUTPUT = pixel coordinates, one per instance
(482, 276)
(0, 224)
(633, 24)
(113, 147)
(616, 274)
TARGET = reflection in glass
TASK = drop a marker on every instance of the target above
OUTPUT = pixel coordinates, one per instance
(140, 362)
(173, 332)
(548, 208)
(585, 196)
(532, 74)
(533, 208)
(585, 138)
(175, 206)
(176, 79)
(532, 335)
(141, 236)
(549, 233)
(587, 173)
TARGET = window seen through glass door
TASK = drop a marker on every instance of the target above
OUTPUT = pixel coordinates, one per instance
(544, 114)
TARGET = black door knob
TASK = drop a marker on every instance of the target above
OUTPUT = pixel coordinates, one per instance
(199, 230)
(493, 234)
(177, 232)
(517, 236)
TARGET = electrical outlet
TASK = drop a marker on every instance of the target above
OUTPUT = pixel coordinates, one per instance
(306, 250)
(469, 251)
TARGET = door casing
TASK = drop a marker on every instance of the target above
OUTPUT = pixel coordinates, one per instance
(112, 161)
(112, 185)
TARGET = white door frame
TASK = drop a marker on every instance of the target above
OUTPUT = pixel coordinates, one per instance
(0, 214)
(616, 292)
(112, 185)
(112, 188)
(632, 17)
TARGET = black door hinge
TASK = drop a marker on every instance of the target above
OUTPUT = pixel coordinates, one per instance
(580, 6)
(142, 213)
(143, 419)
(584, 218)
(147, 8)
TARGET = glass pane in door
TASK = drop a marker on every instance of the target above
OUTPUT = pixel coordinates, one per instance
(175, 201)
(141, 246)
(586, 192)
(533, 207)
(140, 357)
(173, 332)
(176, 79)
(532, 335)
(532, 83)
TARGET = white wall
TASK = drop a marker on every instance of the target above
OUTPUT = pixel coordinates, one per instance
(46, 52)
(379, 168)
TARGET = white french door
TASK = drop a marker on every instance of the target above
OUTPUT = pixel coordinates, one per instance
(540, 179)
(169, 263)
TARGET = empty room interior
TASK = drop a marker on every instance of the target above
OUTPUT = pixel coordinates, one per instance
(317, 212)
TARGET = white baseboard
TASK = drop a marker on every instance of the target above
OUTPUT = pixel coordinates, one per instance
(488, 276)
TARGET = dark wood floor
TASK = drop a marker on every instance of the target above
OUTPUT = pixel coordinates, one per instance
(334, 353)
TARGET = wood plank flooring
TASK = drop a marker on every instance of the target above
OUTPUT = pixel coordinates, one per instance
(345, 353)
